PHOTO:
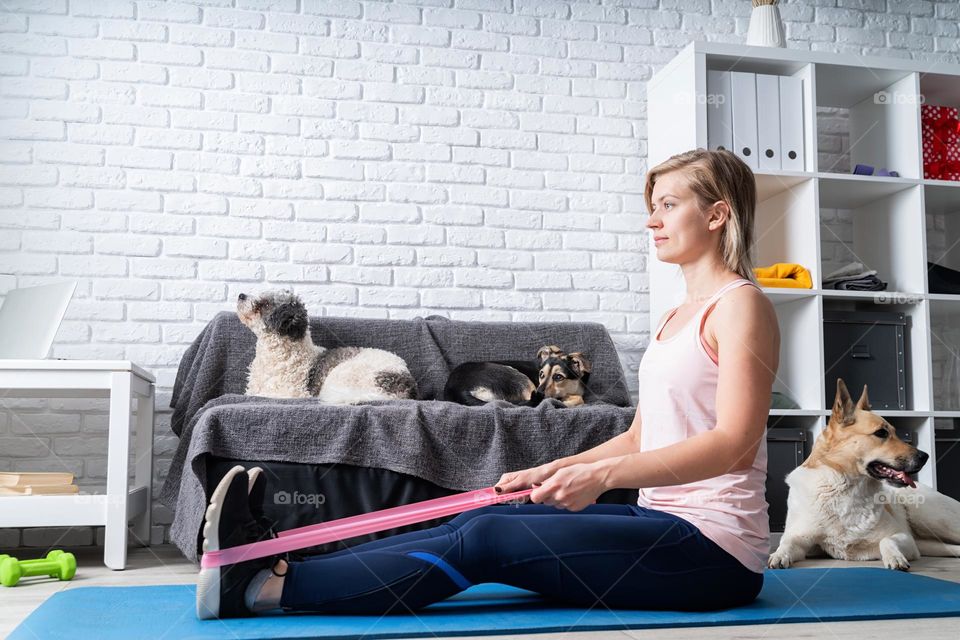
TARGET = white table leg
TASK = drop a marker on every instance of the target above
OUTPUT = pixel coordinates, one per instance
(144, 464)
(118, 480)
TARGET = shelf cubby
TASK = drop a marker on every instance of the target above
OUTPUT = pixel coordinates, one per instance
(798, 319)
(916, 348)
(876, 222)
(945, 353)
(785, 225)
(776, 67)
(940, 89)
(942, 208)
(946, 451)
(875, 110)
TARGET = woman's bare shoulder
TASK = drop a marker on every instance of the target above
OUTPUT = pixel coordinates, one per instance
(746, 309)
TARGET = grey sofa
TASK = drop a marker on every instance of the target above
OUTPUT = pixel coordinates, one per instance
(324, 462)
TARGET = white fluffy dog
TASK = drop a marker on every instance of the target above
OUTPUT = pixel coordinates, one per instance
(289, 365)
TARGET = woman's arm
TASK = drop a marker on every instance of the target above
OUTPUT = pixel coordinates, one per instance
(703, 456)
(748, 339)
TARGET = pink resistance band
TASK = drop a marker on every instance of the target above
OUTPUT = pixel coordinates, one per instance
(352, 526)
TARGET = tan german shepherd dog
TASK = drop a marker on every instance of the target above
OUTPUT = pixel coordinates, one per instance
(854, 499)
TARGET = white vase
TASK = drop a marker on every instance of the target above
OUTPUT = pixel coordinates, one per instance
(766, 29)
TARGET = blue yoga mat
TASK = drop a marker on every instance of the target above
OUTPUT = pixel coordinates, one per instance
(789, 595)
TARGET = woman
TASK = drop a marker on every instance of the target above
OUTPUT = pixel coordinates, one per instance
(698, 539)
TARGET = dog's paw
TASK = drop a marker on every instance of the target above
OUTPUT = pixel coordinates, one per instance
(896, 561)
(779, 561)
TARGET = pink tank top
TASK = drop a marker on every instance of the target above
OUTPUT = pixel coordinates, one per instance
(678, 399)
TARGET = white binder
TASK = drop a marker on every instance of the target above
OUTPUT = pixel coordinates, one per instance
(768, 122)
(791, 123)
(743, 109)
(719, 126)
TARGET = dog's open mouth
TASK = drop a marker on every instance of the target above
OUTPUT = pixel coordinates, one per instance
(897, 477)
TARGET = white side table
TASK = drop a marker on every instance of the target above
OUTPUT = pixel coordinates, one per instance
(121, 381)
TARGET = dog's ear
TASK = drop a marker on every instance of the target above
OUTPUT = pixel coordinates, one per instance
(579, 363)
(289, 320)
(546, 351)
(864, 401)
(842, 406)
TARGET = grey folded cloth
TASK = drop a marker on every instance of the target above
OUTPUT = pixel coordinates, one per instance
(854, 277)
(849, 270)
(867, 283)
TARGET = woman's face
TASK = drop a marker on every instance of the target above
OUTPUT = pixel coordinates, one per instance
(678, 219)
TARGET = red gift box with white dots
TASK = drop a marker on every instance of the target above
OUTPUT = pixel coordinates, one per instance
(940, 129)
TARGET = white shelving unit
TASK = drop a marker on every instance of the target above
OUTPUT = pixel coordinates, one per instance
(890, 216)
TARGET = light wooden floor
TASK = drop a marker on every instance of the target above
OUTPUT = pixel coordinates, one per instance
(165, 565)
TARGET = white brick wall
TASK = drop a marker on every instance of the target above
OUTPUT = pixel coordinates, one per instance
(481, 159)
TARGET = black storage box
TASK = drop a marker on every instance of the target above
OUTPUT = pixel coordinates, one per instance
(785, 452)
(866, 348)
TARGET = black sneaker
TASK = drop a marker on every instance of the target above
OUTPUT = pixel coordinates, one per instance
(256, 494)
(229, 523)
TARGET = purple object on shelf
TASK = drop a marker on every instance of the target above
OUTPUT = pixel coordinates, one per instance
(867, 170)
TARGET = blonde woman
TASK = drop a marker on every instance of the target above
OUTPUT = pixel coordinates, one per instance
(698, 539)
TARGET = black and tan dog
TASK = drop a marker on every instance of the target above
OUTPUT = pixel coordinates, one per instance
(555, 374)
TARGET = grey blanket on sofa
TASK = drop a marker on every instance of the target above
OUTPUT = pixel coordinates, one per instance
(457, 447)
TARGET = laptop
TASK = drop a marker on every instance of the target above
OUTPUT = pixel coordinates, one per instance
(30, 318)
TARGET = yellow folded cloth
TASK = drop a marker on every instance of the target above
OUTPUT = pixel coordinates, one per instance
(784, 274)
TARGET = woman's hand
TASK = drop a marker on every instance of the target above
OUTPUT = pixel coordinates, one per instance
(573, 487)
(520, 480)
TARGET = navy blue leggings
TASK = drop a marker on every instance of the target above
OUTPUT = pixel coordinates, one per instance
(608, 555)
